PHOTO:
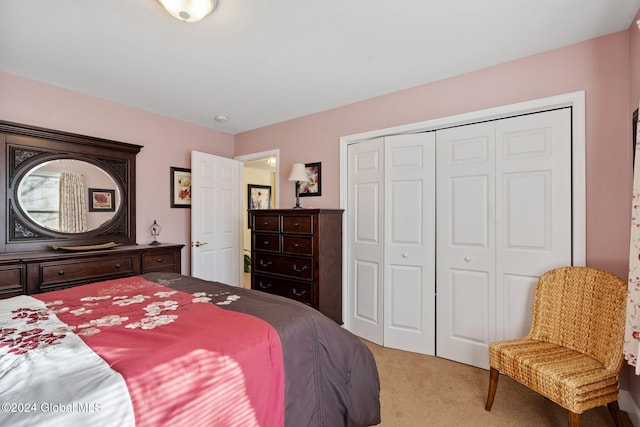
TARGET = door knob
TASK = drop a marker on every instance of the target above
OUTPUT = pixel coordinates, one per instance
(198, 244)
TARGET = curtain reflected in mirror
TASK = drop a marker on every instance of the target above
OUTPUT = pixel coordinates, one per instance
(73, 204)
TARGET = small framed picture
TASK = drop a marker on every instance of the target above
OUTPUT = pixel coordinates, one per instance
(313, 186)
(101, 200)
(258, 197)
(180, 187)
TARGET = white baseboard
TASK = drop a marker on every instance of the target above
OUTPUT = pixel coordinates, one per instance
(629, 405)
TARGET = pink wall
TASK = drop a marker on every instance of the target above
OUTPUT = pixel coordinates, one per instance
(167, 142)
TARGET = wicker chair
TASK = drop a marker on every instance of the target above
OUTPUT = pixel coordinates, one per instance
(573, 353)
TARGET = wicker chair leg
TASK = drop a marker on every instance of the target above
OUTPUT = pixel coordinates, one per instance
(494, 374)
(574, 419)
(614, 410)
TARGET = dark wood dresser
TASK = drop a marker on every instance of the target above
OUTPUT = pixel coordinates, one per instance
(43, 271)
(297, 253)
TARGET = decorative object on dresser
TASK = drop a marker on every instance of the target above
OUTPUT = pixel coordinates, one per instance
(298, 175)
(297, 253)
(155, 232)
(39, 249)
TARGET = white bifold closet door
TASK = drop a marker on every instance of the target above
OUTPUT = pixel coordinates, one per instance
(504, 218)
(391, 193)
(450, 230)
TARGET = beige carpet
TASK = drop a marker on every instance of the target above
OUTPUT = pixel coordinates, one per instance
(418, 390)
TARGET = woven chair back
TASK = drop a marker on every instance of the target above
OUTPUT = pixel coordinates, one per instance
(583, 309)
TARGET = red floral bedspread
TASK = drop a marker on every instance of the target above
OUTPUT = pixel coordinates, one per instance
(185, 361)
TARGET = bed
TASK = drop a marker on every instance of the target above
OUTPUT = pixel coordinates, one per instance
(167, 349)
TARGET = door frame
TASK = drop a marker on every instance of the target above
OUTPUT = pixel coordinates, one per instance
(261, 155)
(575, 100)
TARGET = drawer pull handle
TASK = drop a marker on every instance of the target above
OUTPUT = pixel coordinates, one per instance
(296, 245)
(266, 242)
(264, 286)
(265, 223)
(299, 270)
(159, 259)
(295, 224)
(298, 293)
(117, 266)
(61, 273)
(265, 264)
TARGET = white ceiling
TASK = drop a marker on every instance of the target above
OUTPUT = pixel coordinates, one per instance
(261, 62)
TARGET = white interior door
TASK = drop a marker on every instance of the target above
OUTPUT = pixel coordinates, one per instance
(216, 247)
(409, 249)
(366, 239)
(504, 218)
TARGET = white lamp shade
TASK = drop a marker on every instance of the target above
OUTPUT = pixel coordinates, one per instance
(298, 173)
(189, 10)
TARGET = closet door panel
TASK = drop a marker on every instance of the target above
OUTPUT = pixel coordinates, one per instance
(409, 252)
(465, 242)
(365, 253)
(468, 288)
(533, 205)
(518, 308)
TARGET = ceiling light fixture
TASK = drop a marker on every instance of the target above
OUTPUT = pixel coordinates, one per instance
(189, 10)
(271, 161)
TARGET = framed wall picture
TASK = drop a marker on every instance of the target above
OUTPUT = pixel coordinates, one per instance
(313, 186)
(258, 197)
(101, 200)
(180, 187)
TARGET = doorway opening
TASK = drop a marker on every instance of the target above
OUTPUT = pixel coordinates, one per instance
(260, 172)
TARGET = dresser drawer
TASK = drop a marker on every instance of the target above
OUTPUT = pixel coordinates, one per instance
(155, 261)
(11, 280)
(266, 242)
(297, 245)
(296, 290)
(298, 267)
(297, 224)
(87, 269)
(266, 223)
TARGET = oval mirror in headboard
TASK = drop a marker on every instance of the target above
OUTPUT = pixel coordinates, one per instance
(65, 189)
